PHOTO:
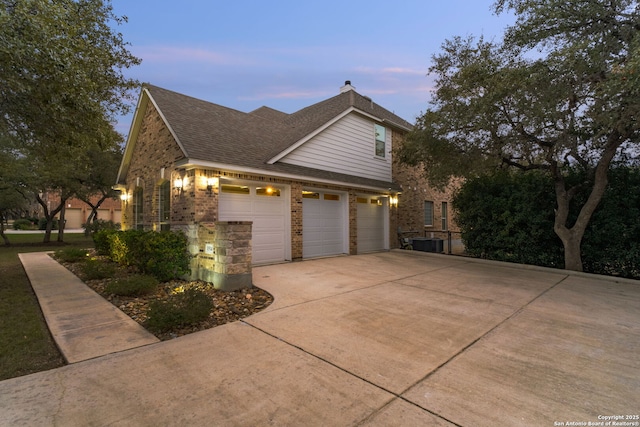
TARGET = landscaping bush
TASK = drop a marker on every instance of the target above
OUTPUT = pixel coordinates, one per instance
(125, 247)
(161, 254)
(42, 224)
(98, 225)
(71, 254)
(182, 309)
(102, 241)
(135, 285)
(93, 269)
(23, 224)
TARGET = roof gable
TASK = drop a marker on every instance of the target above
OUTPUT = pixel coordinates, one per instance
(213, 134)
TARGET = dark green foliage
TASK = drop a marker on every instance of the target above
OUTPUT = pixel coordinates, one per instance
(94, 269)
(23, 224)
(42, 224)
(509, 217)
(611, 243)
(182, 309)
(71, 254)
(135, 285)
(102, 241)
(161, 254)
(100, 224)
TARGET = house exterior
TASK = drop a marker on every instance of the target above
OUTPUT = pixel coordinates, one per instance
(317, 182)
(77, 212)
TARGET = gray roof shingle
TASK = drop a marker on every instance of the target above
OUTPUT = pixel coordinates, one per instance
(217, 134)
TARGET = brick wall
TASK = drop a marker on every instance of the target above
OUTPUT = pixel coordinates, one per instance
(415, 192)
(155, 150)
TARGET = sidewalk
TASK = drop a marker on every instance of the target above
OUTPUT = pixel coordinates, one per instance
(83, 324)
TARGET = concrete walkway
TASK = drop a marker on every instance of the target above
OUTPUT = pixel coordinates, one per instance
(398, 339)
(83, 324)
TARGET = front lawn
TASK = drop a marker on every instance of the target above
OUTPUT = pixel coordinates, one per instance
(26, 345)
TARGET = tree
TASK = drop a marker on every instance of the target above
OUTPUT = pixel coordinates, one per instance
(61, 85)
(562, 90)
(101, 173)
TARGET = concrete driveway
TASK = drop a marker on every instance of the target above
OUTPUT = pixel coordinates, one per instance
(397, 338)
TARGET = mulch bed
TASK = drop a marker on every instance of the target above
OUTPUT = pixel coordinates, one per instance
(228, 306)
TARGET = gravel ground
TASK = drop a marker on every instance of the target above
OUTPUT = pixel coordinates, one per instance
(228, 306)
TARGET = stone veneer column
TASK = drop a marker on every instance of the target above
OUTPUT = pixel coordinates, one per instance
(232, 255)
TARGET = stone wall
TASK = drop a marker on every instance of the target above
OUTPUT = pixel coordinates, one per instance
(224, 256)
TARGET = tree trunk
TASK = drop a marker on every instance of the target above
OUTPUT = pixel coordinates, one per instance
(4, 236)
(572, 237)
(62, 221)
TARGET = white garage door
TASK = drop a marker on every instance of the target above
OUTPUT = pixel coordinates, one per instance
(324, 224)
(73, 218)
(371, 223)
(266, 206)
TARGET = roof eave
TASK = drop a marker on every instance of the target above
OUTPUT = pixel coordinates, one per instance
(205, 164)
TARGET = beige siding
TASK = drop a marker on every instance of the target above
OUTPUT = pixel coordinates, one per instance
(347, 146)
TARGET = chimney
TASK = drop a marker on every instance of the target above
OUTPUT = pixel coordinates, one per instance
(347, 87)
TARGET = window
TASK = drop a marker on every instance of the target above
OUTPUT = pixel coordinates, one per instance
(381, 140)
(165, 205)
(138, 208)
(310, 195)
(444, 216)
(234, 189)
(334, 197)
(268, 191)
(428, 214)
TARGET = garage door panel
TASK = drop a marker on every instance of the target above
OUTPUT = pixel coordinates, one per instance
(371, 224)
(268, 214)
(323, 222)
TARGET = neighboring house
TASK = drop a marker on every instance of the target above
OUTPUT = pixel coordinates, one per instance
(77, 211)
(317, 182)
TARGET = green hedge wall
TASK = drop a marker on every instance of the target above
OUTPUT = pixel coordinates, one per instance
(510, 217)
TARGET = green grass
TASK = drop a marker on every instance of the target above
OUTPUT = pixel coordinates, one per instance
(26, 345)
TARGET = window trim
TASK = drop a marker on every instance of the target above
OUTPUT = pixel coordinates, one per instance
(425, 213)
(376, 140)
(164, 205)
(445, 216)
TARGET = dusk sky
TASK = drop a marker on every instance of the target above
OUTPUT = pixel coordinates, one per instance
(244, 54)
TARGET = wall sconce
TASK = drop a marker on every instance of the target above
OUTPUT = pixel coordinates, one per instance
(124, 196)
(393, 201)
(178, 183)
(211, 182)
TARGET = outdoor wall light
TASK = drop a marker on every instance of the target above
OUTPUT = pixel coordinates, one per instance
(177, 185)
(393, 201)
(211, 182)
(124, 196)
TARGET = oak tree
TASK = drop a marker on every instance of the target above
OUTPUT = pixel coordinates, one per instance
(560, 90)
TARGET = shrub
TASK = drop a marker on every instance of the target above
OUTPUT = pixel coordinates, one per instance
(98, 225)
(42, 224)
(183, 309)
(136, 285)
(102, 242)
(93, 269)
(71, 254)
(23, 224)
(163, 254)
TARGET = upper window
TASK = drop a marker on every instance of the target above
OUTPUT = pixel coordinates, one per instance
(381, 140)
(428, 214)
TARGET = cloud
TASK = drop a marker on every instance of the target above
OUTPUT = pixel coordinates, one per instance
(175, 54)
(400, 70)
